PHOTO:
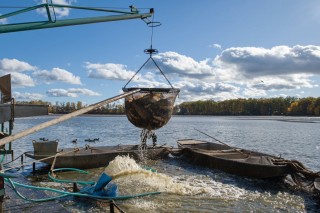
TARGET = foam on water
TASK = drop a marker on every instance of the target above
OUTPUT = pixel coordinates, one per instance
(190, 191)
(133, 178)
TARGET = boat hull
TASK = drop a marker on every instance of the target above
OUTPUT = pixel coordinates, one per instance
(232, 160)
(94, 157)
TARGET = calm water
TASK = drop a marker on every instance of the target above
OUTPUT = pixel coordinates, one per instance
(203, 190)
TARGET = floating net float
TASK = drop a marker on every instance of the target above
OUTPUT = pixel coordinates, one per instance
(150, 108)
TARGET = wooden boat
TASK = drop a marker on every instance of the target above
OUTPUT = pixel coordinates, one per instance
(232, 160)
(93, 157)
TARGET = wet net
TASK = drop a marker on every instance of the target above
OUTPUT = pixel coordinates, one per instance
(302, 177)
(151, 108)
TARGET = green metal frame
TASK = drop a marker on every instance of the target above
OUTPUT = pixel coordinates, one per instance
(50, 23)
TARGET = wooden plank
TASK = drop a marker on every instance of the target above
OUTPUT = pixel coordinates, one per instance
(63, 118)
(191, 142)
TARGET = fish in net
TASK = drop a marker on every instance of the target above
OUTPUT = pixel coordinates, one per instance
(150, 109)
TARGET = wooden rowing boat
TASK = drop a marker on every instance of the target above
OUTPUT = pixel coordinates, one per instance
(232, 160)
(93, 157)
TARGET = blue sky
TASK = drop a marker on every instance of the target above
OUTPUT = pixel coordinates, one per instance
(210, 49)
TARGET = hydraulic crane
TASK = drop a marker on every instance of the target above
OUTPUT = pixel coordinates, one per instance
(53, 22)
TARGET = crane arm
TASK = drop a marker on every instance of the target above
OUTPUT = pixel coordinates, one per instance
(50, 23)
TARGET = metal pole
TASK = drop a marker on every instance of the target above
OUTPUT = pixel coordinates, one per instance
(64, 117)
(67, 22)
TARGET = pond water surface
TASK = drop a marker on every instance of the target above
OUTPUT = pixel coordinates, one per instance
(185, 187)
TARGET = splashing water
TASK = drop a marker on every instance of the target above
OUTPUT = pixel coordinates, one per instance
(181, 191)
(122, 165)
(132, 178)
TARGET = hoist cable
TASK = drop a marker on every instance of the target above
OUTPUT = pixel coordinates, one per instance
(136, 72)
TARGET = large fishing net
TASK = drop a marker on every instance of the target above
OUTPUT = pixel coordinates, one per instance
(150, 108)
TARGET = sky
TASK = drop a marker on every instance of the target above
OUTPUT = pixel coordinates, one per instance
(209, 49)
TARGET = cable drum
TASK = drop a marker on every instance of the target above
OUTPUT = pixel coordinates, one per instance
(150, 108)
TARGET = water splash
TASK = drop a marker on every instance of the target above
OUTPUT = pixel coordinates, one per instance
(188, 191)
(132, 178)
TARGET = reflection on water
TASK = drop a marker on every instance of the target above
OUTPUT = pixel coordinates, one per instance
(185, 187)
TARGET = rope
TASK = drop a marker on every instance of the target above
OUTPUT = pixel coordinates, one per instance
(161, 71)
(150, 51)
(151, 39)
(136, 72)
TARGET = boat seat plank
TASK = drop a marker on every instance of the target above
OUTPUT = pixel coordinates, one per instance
(192, 142)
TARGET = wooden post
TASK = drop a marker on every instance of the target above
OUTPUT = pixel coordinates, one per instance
(75, 187)
(111, 206)
(34, 168)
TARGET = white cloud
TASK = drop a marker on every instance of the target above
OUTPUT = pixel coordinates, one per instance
(108, 71)
(280, 68)
(200, 90)
(14, 65)
(236, 73)
(183, 66)
(60, 12)
(15, 68)
(283, 82)
(27, 96)
(83, 91)
(21, 80)
(201, 87)
(57, 74)
(216, 46)
(253, 62)
(72, 92)
(244, 71)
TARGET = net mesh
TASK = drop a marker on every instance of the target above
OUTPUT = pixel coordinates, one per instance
(151, 108)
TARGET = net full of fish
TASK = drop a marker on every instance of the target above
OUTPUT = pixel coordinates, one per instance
(151, 108)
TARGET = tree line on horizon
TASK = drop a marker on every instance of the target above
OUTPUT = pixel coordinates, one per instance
(263, 106)
(308, 106)
(67, 107)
